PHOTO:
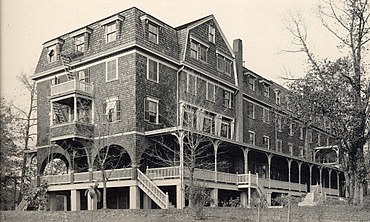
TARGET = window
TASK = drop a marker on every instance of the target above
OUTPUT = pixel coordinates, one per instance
(189, 119)
(151, 110)
(301, 151)
(111, 73)
(252, 83)
(291, 126)
(211, 34)
(55, 80)
(265, 115)
(83, 76)
(310, 137)
(278, 123)
(112, 109)
(279, 145)
(152, 71)
(277, 97)
(211, 91)
(225, 129)
(152, 32)
(266, 142)
(111, 32)
(208, 124)
(252, 137)
(318, 139)
(228, 99)
(198, 51)
(290, 146)
(52, 53)
(250, 110)
(288, 104)
(224, 64)
(191, 84)
(301, 133)
(327, 141)
(80, 43)
(266, 90)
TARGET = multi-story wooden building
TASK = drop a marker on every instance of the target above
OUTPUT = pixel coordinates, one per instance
(112, 89)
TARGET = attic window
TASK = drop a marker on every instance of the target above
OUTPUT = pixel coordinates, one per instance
(153, 32)
(112, 27)
(52, 55)
(211, 34)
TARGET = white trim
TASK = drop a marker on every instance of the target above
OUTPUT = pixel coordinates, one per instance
(254, 137)
(106, 70)
(80, 32)
(224, 55)
(264, 112)
(279, 149)
(53, 42)
(149, 98)
(268, 141)
(164, 130)
(199, 41)
(120, 134)
(212, 30)
(214, 92)
(152, 19)
(147, 70)
(111, 19)
(291, 150)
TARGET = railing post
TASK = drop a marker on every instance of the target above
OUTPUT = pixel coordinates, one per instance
(237, 178)
(167, 200)
(257, 179)
(249, 189)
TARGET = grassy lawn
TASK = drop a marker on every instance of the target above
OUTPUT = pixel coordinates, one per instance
(319, 213)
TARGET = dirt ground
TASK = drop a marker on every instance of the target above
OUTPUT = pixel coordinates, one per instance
(320, 213)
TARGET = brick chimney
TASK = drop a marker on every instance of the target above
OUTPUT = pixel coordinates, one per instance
(238, 51)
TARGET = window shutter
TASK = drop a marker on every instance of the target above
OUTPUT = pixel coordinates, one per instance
(87, 75)
(118, 109)
(105, 108)
(146, 109)
(232, 97)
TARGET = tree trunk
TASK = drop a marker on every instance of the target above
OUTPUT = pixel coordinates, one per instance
(104, 189)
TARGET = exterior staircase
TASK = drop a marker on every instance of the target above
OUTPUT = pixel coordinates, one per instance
(22, 206)
(152, 190)
(60, 114)
(66, 62)
(314, 197)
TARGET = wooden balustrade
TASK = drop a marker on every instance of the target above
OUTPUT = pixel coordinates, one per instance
(70, 86)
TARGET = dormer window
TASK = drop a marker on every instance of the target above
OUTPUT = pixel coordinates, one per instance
(252, 83)
(153, 32)
(277, 97)
(211, 34)
(266, 90)
(52, 54)
(112, 27)
(111, 32)
(80, 43)
(224, 64)
(198, 50)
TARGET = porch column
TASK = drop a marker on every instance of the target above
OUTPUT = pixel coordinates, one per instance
(75, 200)
(249, 189)
(215, 148)
(51, 113)
(338, 184)
(320, 179)
(289, 168)
(65, 202)
(181, 193)
(75, 109)
(310, 166)
(179, 197)
(246, 168)
(134, 197)
(268, 198)
(269, 157)
(244, 198)
(330, 181)
(214, 197)
(299, 175)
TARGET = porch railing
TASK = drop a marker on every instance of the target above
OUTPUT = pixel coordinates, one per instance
(163, 172)
(70, 86)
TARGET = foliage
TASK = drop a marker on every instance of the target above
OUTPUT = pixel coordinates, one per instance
(200, 197)
(338, 91)
(36, 196)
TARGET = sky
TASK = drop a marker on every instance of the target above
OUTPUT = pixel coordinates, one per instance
(27, 24)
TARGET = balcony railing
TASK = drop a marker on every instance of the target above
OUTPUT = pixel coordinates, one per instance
(72, 129)
(70, 86)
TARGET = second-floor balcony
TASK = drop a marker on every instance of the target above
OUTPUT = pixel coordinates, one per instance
(70, 87)
(71, 130)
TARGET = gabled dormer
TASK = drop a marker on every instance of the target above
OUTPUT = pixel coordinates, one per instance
(112, 27)
(81, 40)
(204, 48)
(53, 49)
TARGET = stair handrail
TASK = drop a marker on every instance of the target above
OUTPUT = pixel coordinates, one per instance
(21, 205)
(153, 188)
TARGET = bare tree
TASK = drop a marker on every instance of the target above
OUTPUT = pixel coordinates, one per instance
(339, 90)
